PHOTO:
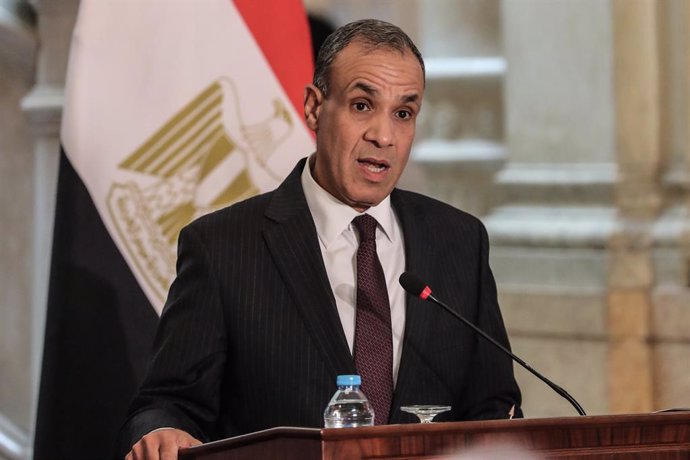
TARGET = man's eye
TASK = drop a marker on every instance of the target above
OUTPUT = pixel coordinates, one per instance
(360, 106)
(404, 114)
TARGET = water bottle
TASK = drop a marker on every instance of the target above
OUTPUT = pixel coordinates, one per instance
(348, 407)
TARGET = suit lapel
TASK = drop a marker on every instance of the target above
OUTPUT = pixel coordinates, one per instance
(294, 246)
(419, 259)
(293, 243)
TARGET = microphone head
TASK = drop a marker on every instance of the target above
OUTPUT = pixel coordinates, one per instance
(414, 286)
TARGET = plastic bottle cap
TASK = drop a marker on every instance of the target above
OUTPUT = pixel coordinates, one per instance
(348, 380)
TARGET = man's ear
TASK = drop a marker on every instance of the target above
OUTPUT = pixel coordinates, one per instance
(313, 98)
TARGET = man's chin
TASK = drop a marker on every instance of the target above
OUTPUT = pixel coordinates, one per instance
(365, 203)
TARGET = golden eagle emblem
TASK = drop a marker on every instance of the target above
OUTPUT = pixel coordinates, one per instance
(202, 159)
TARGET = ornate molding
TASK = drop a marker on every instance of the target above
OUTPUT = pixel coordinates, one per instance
(557, 184)
(552, 226)
(465, 67)
(43, 108)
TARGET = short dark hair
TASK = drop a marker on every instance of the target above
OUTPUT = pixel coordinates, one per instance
(371, 32)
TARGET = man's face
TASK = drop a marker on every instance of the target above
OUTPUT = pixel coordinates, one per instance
(366, 125)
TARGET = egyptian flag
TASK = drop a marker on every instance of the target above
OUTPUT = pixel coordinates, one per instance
(173, 108)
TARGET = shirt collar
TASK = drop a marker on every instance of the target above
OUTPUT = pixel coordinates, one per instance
(332, 217)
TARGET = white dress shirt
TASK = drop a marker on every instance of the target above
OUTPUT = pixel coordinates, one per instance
(338, 240)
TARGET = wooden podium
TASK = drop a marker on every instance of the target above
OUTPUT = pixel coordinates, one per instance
(649, 436)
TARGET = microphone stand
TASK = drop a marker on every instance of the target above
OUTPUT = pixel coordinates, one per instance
(517, 359)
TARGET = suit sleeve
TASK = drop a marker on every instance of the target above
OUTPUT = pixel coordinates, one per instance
(491, 389)
(181, 388)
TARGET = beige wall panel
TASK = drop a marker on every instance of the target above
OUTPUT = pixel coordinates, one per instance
(671, 316)
(571, 364)
(558, 85)
(672, 372)
(556, 312)
(548, 268)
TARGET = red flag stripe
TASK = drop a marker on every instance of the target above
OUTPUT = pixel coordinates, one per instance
(281, 29)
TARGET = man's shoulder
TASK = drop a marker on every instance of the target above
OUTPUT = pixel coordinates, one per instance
(246, 213)
(432, 208)
(250, 212)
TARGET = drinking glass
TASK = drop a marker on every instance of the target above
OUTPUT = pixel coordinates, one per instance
(424, 412)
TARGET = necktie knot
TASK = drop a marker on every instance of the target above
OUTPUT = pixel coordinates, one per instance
(366, 226)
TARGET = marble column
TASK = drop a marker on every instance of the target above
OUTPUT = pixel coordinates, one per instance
(42, 108)
(638, 199)
(553, 210)
(670, 235)
(460, 142)
(17, 55)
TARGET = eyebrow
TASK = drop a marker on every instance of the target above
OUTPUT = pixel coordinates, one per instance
(370, 90)
(410, 98)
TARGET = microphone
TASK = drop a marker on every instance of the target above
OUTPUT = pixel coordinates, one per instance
(418, 288)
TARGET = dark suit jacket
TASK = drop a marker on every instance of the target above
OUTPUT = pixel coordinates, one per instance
(250, 337)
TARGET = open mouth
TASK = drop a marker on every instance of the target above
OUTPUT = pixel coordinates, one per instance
(373, 165)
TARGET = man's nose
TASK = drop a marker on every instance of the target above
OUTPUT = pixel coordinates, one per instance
(380, 131)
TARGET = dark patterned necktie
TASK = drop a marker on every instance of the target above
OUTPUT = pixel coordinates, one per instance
(373, 346)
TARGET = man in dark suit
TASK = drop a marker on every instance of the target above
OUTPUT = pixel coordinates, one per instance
(265, 310)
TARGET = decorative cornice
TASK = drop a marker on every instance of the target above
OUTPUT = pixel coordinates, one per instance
(552, 226)
(465, 67)
(43, 108)
(468, 153)
(556, 184)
